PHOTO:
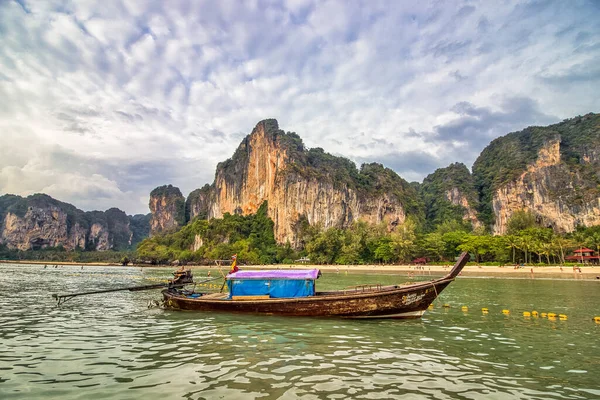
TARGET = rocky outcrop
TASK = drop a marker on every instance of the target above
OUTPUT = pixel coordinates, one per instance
(167, 206)
(98, 238)
(321, 203)
(551, 191)
(449, 194)
(198, 242)
(271, 165)
(198, 202)
(551, 172)
(457, 198)
(37, 229)
(39, 222)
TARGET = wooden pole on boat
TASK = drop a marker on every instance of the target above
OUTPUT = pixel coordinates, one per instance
(463, 259)
(61, 298)
(219, 263)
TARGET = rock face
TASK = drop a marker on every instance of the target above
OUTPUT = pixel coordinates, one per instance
(198, 203)
(457, 198)
(167, 206)
(39, 222)
(298, 184)
(547, 189)
(552, 172)
(449, 195)
(39, 228)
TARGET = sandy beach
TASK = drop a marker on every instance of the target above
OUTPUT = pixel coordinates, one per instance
(554, 272)
(529, 272)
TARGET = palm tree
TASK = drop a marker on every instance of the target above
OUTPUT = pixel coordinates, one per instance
(546, 249)
(525, 243)
(561, 243)
(512, 242)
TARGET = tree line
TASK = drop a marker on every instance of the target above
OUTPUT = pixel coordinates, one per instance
(251, 238)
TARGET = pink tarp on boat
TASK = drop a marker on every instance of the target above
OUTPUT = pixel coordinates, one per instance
(276, 274)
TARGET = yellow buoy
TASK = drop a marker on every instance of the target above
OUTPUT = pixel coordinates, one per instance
(484, 310)
(464, 308)
(543, 315)
(505, 311)
(551, 315)
(597, 320)
(534, 313)
(562, 316)
(526, 314)
(446, 305)
(430, 306)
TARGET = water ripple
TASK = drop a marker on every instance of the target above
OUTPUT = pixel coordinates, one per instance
(114, 347)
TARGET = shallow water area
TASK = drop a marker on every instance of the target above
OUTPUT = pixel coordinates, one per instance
(113, 346)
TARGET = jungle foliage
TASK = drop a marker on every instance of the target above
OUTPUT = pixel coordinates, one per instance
(434, 194)
(251, 238)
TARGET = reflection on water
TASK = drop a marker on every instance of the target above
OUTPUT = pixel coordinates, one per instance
(113, 346)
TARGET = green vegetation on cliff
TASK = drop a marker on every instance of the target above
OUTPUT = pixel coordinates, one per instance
(434, 192)
(507, 157)
(250, 236)
(375, 179)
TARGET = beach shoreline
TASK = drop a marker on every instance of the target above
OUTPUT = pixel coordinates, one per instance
(548, 272)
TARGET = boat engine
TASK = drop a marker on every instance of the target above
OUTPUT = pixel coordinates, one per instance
(181, 277)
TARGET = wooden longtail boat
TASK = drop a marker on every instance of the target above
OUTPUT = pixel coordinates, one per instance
(397, 301)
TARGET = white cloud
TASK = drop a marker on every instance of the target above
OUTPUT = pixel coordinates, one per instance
(126, 96)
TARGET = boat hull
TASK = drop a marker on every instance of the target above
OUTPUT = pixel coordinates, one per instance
(387, 302)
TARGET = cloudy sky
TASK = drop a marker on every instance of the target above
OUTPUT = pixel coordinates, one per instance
(101, 101)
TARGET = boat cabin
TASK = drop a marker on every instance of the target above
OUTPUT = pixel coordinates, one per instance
(252, 285)
(583, 255)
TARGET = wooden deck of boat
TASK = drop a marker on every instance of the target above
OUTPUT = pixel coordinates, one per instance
(215, 296)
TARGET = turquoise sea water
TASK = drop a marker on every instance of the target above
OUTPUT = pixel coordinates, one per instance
(113, 346)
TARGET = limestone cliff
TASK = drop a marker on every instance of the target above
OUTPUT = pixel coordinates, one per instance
(449, 195)
(198, 203)
(549, 189)
(38, 228)
(457, 198)
(271, 165)
(167, 206)
(39, 221)
(552, 172)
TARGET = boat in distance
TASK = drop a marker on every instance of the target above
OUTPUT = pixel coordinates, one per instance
(268, 293)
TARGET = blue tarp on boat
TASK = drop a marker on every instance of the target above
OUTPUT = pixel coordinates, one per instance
(275, 284)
